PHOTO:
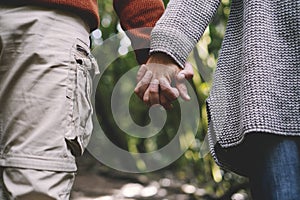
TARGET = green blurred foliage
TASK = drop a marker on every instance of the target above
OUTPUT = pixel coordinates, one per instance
(191, 167)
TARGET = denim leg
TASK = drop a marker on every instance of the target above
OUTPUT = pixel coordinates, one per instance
(276, 175)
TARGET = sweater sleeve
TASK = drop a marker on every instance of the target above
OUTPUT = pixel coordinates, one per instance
(137, 18)
(181, 26)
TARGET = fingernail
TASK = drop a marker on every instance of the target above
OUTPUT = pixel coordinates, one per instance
(187, 97)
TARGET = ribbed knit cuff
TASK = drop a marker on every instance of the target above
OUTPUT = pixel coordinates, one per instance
(172, 42)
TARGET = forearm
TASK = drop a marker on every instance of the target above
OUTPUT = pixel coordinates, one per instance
(181, 26)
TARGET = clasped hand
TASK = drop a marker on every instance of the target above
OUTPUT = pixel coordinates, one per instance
(161, 81)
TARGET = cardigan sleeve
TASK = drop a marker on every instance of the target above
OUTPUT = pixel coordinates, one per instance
(181, 26)
(137, 18)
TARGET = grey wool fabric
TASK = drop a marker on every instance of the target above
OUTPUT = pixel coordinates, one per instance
(257, 81)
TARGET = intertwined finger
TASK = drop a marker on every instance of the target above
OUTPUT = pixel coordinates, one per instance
(181, 86)
(186, 73)
(143, 84)
(168, 91)
(141, 73)
(166, 103)
(154, 92)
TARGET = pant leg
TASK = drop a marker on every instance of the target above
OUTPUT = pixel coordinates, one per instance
(46, 72)
(45, 110)
(29, 184)
(276, 169)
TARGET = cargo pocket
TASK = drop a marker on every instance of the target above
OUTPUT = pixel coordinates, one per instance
(79, 90)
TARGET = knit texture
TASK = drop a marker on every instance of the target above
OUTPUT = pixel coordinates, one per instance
(137, 18)
(86, 9)
(180, 28)
(257, 81)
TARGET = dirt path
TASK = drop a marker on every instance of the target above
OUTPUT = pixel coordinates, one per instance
(97, 182)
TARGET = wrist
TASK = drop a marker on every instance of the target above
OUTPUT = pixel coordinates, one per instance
(161, 58)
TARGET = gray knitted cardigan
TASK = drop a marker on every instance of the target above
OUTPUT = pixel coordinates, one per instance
(257, 81)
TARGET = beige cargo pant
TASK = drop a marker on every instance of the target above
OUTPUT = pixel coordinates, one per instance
(46, 72)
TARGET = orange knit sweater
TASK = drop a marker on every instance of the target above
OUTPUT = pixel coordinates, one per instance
(86, 9)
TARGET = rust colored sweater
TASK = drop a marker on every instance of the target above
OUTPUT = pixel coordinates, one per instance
(86, 9)
(141, 14)
(133, 14)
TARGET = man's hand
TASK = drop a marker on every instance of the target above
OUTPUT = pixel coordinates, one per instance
(156, 77)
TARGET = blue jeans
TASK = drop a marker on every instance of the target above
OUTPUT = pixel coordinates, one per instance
(275, 173)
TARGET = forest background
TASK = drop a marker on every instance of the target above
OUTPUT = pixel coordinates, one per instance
(193, 175)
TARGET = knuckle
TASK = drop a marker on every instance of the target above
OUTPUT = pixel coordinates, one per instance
(144, 82)
(152, 90)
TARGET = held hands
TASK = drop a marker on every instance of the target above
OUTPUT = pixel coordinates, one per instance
(155, 81)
